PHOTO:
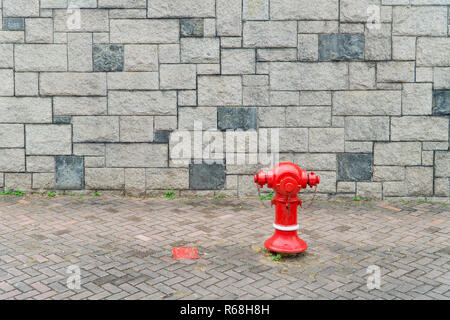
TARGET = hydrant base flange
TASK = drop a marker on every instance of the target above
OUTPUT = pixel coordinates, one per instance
(285, 242)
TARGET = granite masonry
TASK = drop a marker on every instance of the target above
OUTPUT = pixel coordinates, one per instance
(92, 93)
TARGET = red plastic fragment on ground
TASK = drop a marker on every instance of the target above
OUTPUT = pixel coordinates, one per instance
(185, 253)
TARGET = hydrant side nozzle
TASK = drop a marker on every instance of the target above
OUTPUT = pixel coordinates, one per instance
(313, 179)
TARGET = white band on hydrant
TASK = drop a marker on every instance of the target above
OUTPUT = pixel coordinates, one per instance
(287, 228)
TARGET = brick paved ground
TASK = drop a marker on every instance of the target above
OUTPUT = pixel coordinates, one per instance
(123, 247)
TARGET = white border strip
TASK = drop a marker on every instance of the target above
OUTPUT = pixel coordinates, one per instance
(288, 228)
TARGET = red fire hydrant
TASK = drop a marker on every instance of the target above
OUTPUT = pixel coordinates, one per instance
(286, 179)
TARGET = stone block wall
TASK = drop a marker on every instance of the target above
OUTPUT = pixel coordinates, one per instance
(91, 92)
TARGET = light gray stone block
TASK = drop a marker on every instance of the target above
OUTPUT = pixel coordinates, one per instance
(289, 54)
(141, 57)
(255, 10)
(388, 173)
(441, 78)
(362, 75)
(135, 181)
(229, 17)
(166, 179)
(304, 9)
(420, 21)
(181, 8)
(316, 161)
(40, 164)
(357, 11)
(104, 178)
(404, 48)
(144, 31)
(133, 81)
(326, 140)
(200, 50)
(11, 136)
(39, 30)
(308, 117)
(43, 181)
(62, 84)
(315, 98)
(378, 43)
(122, 4)
(79, 106)
(26, 83)
(139, 155)
(369, 190)
(136, 129)
(6, 56)
(293, 140)
(433, 51)
(417, 98)
(7, 81)
(40, 57)
(21, 8)
(308, 76)
(12, 160)
(18, 181)
(25, 110)
(318, 27)
(419, 129)
(206, 116)
(393, 71)
(238, 61)
(178, 76)
(367, 128)
(79, 48)
(308, 47)
(84, 20)
(419, 181)
(365, 103)
(397, 153)
(219, 90)
(442, 164)
(146, 103)
(48, 139)
(270, 34)
(95, 129)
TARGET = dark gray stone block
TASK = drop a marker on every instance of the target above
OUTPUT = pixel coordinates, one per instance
(230, 118)
(205, 176)
(107, 58)
(191, 27)
(341, 47)
(62, 119)
(161, 136)
(441, 102)
(13, 24)
(354, 167)
(69, 172)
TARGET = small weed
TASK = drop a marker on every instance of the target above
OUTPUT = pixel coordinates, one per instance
(51, 194)
(357, 199)
(96, 194)
(269, 196)
(19, 193)
(198, 197)
(219, 196)
(445, 207)
(277, 257)
(7, 192)
(170, 195)
(71, 194)
(81, 197)
(423, 200)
